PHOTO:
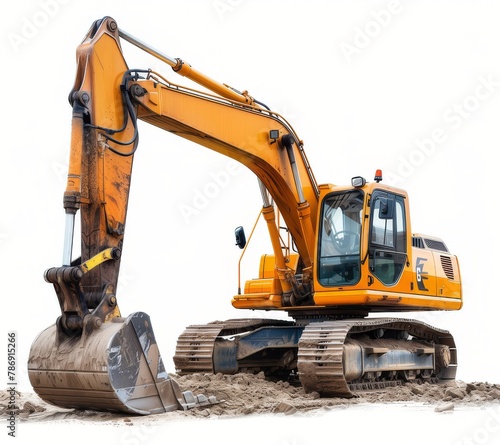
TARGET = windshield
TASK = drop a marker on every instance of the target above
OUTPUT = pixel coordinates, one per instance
(339, 254)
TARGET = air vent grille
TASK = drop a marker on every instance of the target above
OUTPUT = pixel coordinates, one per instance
(435, 244)
(447, 266)
(418, 242)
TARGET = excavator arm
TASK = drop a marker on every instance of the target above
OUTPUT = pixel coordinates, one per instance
(108, 98)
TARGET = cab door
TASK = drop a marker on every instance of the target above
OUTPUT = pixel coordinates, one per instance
(387, 250)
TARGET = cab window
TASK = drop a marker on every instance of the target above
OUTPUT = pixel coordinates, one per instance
(339, 252)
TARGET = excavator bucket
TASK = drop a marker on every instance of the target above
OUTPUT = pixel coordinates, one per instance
(117, 367)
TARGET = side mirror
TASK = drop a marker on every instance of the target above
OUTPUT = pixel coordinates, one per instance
(241, 239)
(386, 210)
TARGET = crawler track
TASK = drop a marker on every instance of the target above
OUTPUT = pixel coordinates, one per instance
(321, 354)
(334, 358)
(194, 351)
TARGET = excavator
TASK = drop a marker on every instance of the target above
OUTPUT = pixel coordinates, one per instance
(340, 255)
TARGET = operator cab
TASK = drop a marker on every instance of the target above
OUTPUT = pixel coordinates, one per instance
(344, 214)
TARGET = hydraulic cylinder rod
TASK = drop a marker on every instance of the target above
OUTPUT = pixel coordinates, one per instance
(184, 69)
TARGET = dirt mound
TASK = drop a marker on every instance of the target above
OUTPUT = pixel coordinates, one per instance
(244, 394)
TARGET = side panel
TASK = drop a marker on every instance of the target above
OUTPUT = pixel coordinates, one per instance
(423, 285)
(424, 272)
(448, 282)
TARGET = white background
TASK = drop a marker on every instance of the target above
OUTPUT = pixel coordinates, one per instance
(366, 84)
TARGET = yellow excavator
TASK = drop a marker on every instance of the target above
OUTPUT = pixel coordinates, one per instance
(339, 255)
